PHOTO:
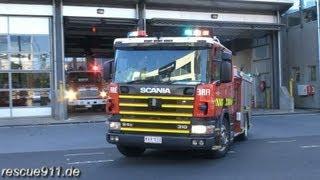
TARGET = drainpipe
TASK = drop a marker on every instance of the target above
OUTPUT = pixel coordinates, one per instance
(318, 14)
(141, 10)
(279, 53)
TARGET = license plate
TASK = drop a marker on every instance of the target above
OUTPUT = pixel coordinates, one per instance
(88, 106)
(153, 139)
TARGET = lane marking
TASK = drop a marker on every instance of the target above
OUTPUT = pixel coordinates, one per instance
(275, 115)
(231, 152)
(283, 141)
(90, 162)
(84, 154)
(311, 146)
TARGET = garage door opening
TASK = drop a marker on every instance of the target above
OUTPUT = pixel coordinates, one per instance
(89, 60)
(254, 53)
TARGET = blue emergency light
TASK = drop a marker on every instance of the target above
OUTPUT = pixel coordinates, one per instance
(196, 32)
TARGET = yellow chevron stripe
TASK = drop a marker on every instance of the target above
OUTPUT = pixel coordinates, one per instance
(219, 102)
(155, 130)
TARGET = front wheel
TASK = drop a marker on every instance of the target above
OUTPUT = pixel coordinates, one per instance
(131, 151)
(223, 142)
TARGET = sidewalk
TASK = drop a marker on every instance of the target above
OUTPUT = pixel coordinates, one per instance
(262, 112)
(34, 121)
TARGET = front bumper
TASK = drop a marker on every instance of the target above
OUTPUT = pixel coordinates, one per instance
(168, 142)
(87, 102)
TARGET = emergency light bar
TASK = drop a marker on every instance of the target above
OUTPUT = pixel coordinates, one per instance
(196, 32)
(137, 34)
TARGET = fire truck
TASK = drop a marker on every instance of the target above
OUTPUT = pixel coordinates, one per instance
(176, 93)
(85, 89)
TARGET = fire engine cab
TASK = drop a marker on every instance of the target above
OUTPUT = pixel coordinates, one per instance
(86, 89)
(176, 93)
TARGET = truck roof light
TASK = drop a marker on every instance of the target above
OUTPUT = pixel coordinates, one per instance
(205, 33)
(137, 34)
(188, 32)
(95, 68)
(196, 32)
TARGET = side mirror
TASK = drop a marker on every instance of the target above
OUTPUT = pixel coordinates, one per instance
(107, 71)
(225, 56)
(226, 71)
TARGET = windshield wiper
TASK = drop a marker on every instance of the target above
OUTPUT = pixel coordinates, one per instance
(183, 81)
(139, 81)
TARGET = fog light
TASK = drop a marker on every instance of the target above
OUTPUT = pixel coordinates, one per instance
(111, 138)
(194, 142)
(116, 138)
(202, 129)
(201, 142)
(198, 129)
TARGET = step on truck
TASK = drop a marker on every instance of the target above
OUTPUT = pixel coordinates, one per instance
(176, 93)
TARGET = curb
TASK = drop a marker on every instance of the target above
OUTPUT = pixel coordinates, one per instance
(50, 123)
(288, 113)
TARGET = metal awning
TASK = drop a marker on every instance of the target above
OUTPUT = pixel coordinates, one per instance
(211, 24)
(225, 5)
(232, 5)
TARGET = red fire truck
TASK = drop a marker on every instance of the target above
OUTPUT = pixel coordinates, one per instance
(176, 93)
(86, 89)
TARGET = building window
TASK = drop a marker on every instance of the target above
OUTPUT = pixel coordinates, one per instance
(3, 25)
(25, 66)
(313, 73)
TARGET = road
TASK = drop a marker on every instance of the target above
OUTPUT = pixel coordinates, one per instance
(280, 147)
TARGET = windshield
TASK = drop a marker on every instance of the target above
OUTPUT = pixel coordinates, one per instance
(162, 66)
(84, 77)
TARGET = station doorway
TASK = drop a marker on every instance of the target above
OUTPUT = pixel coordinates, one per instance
(89, 59)
(254, 52)
(89, 44)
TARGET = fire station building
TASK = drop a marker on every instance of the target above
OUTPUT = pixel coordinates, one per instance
(39, 39)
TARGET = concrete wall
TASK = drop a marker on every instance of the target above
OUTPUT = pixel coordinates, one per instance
(258, 60)
(263, 71)
(302, 51)
(242, 59)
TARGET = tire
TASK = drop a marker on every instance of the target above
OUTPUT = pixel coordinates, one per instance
(244, 136)
(131, 151)
(223, 142)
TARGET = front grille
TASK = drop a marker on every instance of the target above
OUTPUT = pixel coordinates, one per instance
(88, 93)
(173, 116)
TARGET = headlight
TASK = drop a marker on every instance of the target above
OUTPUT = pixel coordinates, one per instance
(114, 125)
(71, 95)
(202, 129)
(103, 94)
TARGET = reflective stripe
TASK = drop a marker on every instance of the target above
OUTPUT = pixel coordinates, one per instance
(178, 106)
(156, 113)
(133, 105)
(167, 121)
(155, 130)
(159, 97)
(219, 102)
